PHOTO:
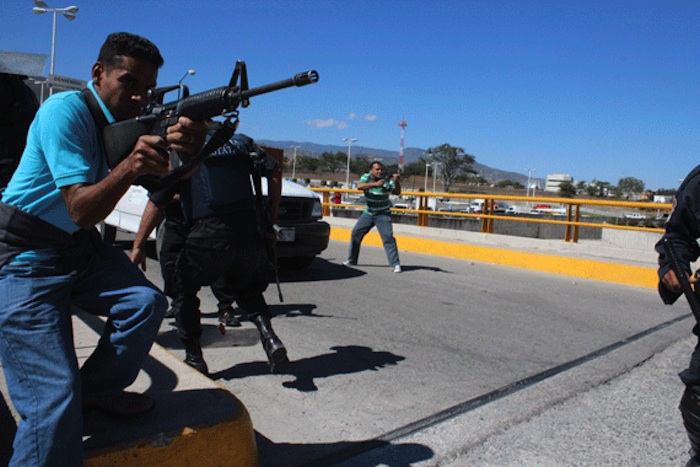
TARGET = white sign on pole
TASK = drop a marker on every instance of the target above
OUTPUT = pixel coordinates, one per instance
(61, 83)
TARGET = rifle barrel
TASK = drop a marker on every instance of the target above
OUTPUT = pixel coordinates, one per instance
(299, 80)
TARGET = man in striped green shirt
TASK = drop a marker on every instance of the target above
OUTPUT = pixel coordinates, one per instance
(377, 189)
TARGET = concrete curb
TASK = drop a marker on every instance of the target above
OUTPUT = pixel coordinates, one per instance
(195, 422)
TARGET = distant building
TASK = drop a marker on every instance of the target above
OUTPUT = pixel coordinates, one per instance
(663, 198)
(554, 180)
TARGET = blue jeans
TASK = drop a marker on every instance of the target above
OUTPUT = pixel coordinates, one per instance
(386, 231)
(36, 345)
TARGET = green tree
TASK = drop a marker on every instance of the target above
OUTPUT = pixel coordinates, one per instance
(628, 186)
(567, 190)
(415, 168)
(307, 164)
(359, 165)
(598, 188)
(333, 163)
(453, 163)
(666, 191)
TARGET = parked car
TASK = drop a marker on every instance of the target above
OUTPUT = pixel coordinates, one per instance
(302, 236)
(635, 215)
(513, 209)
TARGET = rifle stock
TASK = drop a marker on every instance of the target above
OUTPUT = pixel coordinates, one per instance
(687, 287)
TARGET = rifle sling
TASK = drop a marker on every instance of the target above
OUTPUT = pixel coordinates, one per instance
(97, 114)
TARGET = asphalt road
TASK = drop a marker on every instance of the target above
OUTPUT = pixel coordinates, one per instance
(380, 357)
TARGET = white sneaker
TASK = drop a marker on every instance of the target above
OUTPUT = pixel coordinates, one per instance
(397, 268)
(347, 262)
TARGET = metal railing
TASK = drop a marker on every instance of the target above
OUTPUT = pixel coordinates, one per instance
(572, 220)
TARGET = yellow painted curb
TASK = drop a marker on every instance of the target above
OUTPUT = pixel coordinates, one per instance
(637, 276)
(227, 443)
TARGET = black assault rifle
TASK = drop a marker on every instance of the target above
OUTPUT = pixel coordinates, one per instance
(120, 137)
(687, 287)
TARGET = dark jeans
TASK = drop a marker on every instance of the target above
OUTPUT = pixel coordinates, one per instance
(386, 231)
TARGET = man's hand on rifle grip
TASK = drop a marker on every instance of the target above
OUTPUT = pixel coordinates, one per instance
(670, 281)
(186, 136)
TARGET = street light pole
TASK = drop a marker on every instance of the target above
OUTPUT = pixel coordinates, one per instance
(529, 176)
(69, 12)
(294, 164)
(179, 91)
(437, 164)
(347, 168)
(527, 188)
(425, 189)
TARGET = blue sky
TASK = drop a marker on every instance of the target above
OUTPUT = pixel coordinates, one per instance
(599, 89)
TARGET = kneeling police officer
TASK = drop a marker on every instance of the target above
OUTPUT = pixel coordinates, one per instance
(225, 240)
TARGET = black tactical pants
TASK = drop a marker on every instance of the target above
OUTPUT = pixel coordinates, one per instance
(173, 237)
(215, 249)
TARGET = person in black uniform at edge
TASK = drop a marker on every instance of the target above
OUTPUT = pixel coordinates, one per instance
(225, 241)
(173, 234)
(682, 230)
(18, 105)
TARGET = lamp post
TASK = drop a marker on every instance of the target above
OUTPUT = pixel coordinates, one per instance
(347, 169)
(294, 164)
(179, 83)
(529, 176)
(437, 164)
(427, 165)
(69, 12)
(527, 188)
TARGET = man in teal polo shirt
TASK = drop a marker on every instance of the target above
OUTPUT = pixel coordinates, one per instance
(377, 189)
(52, 258)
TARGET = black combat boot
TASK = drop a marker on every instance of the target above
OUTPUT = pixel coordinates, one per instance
(227, 317)
(274, 348)
(193, 356)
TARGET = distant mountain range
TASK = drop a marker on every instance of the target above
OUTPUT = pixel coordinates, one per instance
(410, 155)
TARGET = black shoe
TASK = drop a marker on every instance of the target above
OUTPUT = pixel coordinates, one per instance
(273, 346)
(193, 356)
(227, 317)
(197, 362)
(276, 355)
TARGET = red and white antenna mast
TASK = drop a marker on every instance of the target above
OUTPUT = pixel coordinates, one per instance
(403, 126)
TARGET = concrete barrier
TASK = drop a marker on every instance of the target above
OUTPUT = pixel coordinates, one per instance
(196, 422)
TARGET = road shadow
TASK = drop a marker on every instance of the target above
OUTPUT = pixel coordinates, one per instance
(340, 453)
(320, 270)
(405, 268)
(343, 360)
(212, 337)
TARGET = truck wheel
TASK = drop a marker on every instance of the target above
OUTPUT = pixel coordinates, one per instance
(295, 263)
(107, 232)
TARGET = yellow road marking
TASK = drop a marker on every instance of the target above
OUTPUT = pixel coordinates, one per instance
(637, 276)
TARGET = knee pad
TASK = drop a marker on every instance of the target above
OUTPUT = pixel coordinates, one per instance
(690, 411)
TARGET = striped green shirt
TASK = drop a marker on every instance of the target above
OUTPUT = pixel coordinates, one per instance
(377, 199)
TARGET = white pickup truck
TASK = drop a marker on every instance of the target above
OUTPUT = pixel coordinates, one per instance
(299, 216)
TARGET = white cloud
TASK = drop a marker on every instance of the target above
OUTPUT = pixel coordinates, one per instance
(352, 116)
(370, 117)
(330, 122)
(322, 123)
